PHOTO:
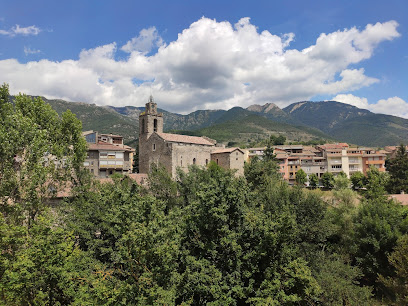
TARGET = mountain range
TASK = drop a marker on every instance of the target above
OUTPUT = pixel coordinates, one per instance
(301, 121)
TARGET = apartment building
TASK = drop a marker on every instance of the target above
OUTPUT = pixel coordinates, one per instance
(334, 158)
(292, 158)
(373, 158)
(107, 154)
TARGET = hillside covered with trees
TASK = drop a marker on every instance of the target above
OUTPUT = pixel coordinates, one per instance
(208, 237)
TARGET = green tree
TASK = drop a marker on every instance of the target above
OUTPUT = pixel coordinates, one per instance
(398, 170)
(40, 153)
(239, 246)
(280, 140)
(257, 171)
(397, 284)
(127, 231)
(339, 283)
(328, 180)
(301, 177)
(377, 226)
(341, 181)
(48, 269)
(313, 180)
(375, 182)
(162, 186)
(357, 180)
(268, 154)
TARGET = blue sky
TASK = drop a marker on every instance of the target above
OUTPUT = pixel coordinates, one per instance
(208, 54)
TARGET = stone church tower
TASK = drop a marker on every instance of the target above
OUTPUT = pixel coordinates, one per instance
(150, 121)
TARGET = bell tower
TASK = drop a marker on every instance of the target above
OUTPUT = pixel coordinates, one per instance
(150, 121)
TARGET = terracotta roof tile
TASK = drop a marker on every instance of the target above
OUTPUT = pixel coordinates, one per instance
(402, 198)
(185, 139)
(226, 150)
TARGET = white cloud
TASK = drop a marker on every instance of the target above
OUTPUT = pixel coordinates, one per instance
(25, 31)
(147, 39)
(392, 106)
(28, 50)
(353, 100)
(210, 65)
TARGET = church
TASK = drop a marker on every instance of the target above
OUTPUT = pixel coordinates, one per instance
(179, 151)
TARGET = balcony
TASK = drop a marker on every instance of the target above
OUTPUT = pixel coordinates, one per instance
(294, 163)
(111, 164)
(335, 161)
(375, 162)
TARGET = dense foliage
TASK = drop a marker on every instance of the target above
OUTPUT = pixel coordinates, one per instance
(398, 169)
(208, 237)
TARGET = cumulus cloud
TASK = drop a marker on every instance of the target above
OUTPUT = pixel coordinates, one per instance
(17, 30)
(392, 106)
(147, 39)
(352, 100)
(210, 65)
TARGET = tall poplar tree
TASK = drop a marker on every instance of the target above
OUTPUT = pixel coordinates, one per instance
(398, 170)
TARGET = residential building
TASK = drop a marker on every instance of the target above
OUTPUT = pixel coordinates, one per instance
(373, 158)
(229, 158)
(107, 154)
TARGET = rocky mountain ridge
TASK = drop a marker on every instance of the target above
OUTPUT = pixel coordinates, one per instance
(311, 120)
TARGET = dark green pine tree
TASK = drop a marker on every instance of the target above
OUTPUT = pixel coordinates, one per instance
(398, 170)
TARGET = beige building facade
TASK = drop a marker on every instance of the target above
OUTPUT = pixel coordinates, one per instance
(107, 154)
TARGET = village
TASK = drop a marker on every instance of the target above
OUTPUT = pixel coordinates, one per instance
(107, 153)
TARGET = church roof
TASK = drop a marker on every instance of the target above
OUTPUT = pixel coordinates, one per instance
(185, 139)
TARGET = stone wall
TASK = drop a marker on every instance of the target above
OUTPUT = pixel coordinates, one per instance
(154, 150)
(185, 154)
(237, 162)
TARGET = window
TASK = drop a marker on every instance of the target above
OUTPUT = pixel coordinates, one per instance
(143, 126)
(206, 162)
(154, 147)
(155, 125)
(217, 161)
(86, 164)
(194, 161)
